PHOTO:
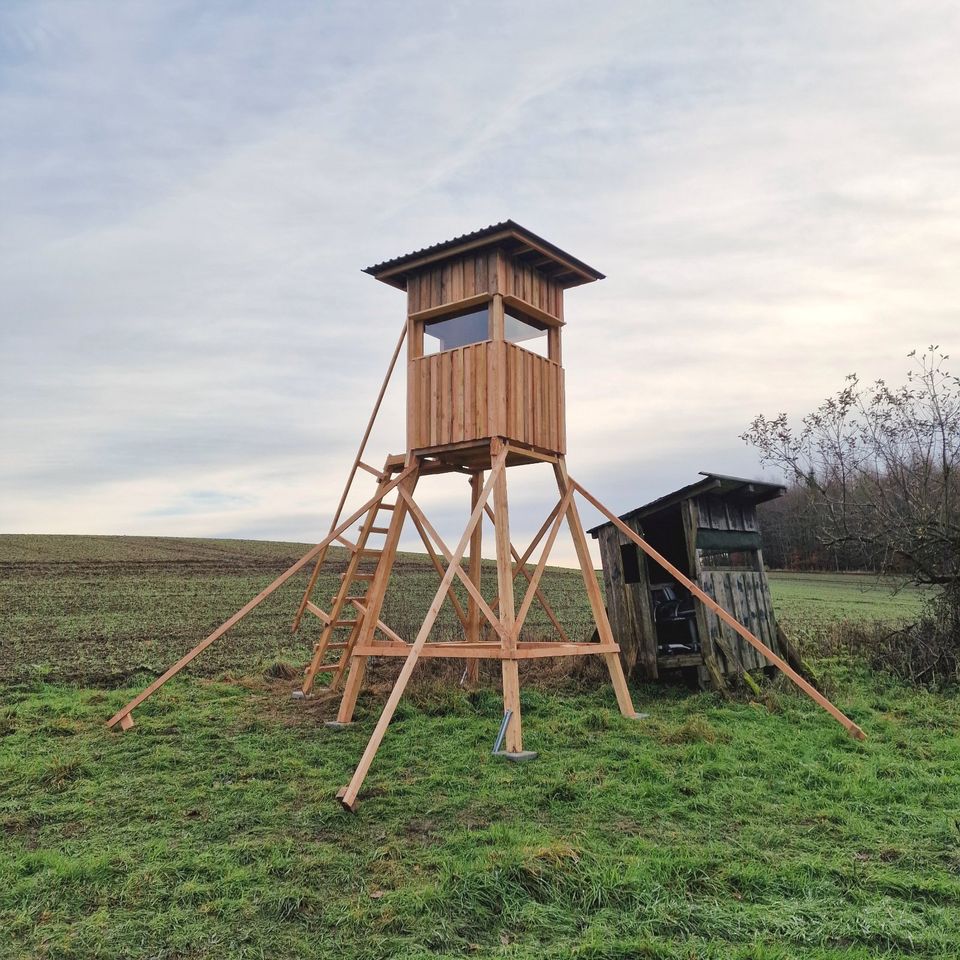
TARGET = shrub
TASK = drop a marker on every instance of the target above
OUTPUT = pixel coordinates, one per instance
(925, 652)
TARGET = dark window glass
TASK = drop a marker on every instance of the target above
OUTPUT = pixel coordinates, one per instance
(631, 563)
(452, 332)
(713, 559)
(517, 329)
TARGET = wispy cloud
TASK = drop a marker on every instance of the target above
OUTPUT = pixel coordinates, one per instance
(189, 190)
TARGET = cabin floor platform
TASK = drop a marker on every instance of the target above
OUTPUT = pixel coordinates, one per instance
(470, 456)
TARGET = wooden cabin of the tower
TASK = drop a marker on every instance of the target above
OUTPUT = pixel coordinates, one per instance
(484, 358)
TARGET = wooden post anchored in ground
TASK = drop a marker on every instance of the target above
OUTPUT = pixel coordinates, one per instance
(348, 795)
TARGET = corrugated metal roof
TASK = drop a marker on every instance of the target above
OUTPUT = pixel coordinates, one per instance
(390, 271)
(756, 490)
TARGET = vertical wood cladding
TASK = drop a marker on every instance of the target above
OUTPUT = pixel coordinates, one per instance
(488, 389)
(486, 272)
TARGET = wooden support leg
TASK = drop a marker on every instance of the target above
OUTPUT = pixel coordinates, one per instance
(511, 682)
(348, 795)
(351, 690)
(513, 743)
(475, 572)
(612, 660)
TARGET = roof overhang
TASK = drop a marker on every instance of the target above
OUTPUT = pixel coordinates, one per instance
(718, 484)
(509, 236)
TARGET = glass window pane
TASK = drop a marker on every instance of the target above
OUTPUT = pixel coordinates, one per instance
(519, 330)
(719, 559)
(454, 332)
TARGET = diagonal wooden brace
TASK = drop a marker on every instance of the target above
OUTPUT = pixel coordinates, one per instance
(348, 795)
(255, 602)
(534, 588)
(521, 567)
(353, 472)
(730, 621)
(432, 554)
(472, 589)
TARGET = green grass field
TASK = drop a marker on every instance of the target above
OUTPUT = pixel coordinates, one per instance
(814, 598)
(722, 829)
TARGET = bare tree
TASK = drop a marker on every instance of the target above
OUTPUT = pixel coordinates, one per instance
(879, 468)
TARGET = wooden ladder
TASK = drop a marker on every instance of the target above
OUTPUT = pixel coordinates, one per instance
(344, 610)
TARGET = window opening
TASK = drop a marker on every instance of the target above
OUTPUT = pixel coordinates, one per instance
(520, 330)
(448, 333)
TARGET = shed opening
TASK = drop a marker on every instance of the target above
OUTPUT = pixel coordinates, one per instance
(631, 563)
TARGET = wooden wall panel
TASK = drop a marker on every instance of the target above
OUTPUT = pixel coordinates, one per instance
(629, 606)
(528, 284)
(744, 593)
(484, 390)
(466, 276)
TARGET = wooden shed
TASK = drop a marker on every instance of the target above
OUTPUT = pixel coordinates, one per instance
(709, 531)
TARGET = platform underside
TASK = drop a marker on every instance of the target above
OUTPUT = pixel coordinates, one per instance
(471, 456)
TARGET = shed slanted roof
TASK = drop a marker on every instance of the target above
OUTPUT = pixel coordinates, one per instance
(755, 491)
(517, 241)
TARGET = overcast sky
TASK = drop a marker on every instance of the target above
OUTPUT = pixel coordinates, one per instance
(188, 191)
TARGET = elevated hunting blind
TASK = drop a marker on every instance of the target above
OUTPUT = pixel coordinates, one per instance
(484, 322)
(485, 392)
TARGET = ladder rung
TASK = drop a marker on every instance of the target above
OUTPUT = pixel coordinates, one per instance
(386, 506)
(352, 599)
(371, 552)
(345, 623)
(347, 543)
(377, 529)
(359, 576)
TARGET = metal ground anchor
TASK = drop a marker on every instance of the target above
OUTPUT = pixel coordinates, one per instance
(519, 756)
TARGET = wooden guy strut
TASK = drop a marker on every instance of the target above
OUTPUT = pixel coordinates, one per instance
(730, 621)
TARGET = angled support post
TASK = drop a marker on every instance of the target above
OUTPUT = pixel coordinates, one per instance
(612, 660)
(730, 621)
(255, 602)
(348, 795)
(353, 472)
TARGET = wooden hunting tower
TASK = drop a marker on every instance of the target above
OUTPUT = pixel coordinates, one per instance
(485, 392)
(709, 531)
(484, 315)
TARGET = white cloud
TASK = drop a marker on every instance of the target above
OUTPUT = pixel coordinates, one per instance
(190, 190)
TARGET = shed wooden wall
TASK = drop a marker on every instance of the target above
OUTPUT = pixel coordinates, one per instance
(744, 593)
(629, 605)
